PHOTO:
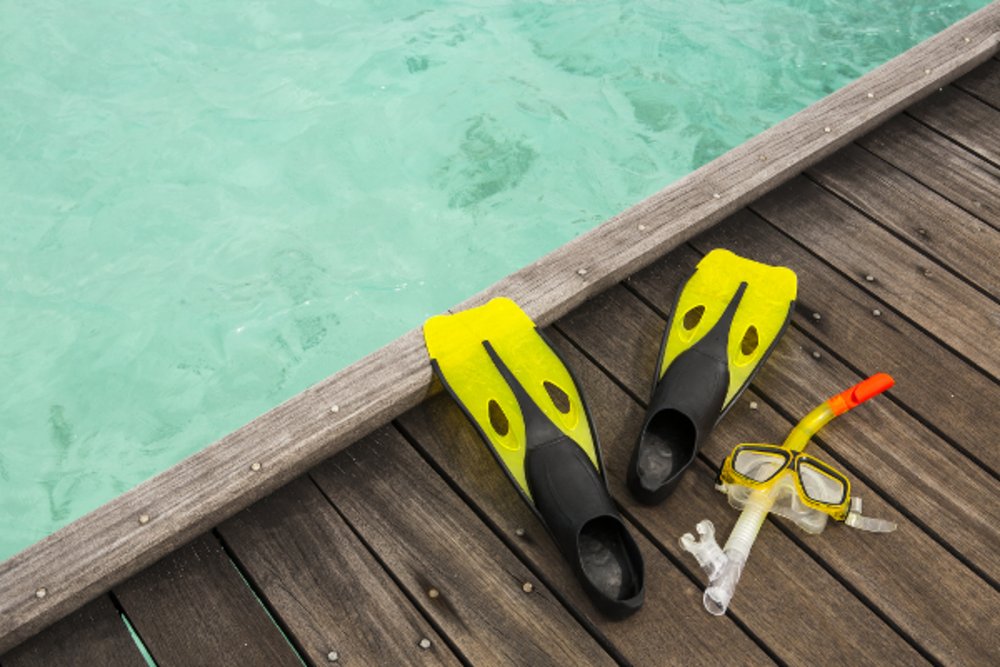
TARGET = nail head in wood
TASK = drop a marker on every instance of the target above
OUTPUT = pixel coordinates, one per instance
(255, 466)
(333, 656)
(827, 130)
(816, 316)
(753, 405)
(425, 643)
(816, 355)
(40, 593)
(581, 272)
(870, 278)
(527, 587)
(877, 312)
(716, 195)
(143, 519)
(519, 532)
(433, 593)
(642, 228)
(335, 408)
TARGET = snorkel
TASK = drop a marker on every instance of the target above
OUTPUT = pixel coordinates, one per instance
(775, 483)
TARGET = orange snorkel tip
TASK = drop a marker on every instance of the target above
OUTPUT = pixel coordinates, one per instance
(861, 392)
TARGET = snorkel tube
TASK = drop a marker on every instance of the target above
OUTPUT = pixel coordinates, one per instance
(724, 566)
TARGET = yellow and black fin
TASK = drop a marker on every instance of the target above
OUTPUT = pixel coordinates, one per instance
(529, 410)
(724, 324)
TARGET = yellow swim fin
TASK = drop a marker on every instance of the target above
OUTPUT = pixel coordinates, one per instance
(529, 409)
(724, 324)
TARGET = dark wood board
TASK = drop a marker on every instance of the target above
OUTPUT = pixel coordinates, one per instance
(961, 242)
(947, 168)
(908, 577)
(193, 608)
(932, 298)
(93, 635)
(673, 601)
(983, 82)
(963, 119)
(432, 541)
(786, 599)
(329, 592)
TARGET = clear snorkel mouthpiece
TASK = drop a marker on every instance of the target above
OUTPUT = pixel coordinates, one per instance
(725, 565)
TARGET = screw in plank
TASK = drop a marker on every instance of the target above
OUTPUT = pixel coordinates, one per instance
(870, 278)
(425, 643)
(871, 95)
(143, 519)
(581, 272)
(816, 355)
(827, 130)
(816, 316)
(877, 312)
(527, 587)
(716, 195)
(763, 158)
(255, 466)
(335, 408)
(642, 228)
(753, 405)
(519, 532)
(41, 592)
(333, 656)
(927, 71)
(433, 593)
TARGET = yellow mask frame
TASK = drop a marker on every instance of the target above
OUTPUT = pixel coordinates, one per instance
(792, 463)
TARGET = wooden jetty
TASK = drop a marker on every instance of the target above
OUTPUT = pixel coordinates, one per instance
(364, 523)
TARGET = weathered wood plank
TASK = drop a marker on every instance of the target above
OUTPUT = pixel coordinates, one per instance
(963, 119)
(462, 576)
(983, 82)
(939, 228)
(193, 608)
(945, 167)
(93, 635)
(949, 499)
(87, 557)
(934, 299)
(944, 390)
(441, 430)
(802, 613)
(328, 591)
(907, 576)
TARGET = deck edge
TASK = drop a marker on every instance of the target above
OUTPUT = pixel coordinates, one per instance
(77, 563)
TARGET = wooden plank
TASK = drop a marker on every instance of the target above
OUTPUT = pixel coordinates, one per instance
(949, 499)
(983, 82)
(963, 119)
(448, 561)
(932, 298)
(87, 557)
(93, 635)
(672, 600)
(329, 593)
(193, 608)
(963, 243)
(964, 178)
(909, 578)
(944, 390)
(802, 613)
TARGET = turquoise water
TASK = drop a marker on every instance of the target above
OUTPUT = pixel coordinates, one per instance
(209, 206)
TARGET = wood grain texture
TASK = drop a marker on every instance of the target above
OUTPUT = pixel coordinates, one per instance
(326, 588)
(430, 539)
(945, 167)
(983, 83)
(963, 119)
(934, 299)
(802, 613)
(937, 227)
(908, 576)
(93, 635)
(193, 608)
(946, 391)
(672, 601)
(86, 558)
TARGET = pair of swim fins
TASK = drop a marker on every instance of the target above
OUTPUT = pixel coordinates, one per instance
(530, 411)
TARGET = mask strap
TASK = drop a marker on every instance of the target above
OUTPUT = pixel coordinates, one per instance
(870, 524)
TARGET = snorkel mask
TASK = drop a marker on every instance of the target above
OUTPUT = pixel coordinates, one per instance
(761, 478)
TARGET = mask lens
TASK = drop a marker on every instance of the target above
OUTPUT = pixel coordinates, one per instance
(820, 485)
(758, 466)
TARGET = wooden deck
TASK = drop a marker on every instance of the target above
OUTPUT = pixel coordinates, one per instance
(410, 546)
